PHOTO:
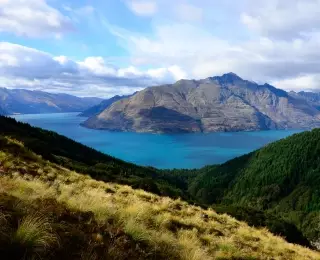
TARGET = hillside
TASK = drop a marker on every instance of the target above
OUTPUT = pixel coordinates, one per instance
(282, 178)
(97, 109)
(50, 212)
(226, 103)
(205, 186)
(21, 101)
(75, 156)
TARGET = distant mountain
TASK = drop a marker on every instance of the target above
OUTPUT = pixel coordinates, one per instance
(2, 112)
(311, 97)
(97, 109)
(225, 103)
(21, 101)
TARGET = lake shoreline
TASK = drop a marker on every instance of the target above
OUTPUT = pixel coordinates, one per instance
(164, 151)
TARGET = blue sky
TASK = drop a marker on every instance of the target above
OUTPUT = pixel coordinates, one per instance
(107, 47)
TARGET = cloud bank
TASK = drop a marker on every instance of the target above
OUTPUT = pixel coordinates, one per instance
(274, 41)
(24, 67)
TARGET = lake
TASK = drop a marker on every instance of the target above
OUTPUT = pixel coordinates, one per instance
(162, 151)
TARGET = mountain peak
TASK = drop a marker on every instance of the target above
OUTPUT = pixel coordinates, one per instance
(227, 78)
(231, 74)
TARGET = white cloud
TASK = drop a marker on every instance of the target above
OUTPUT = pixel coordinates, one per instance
(304, 82)
(188, 12)
(23, 67)
(32, 18)
(143, 7)
(274, 41)
(282, 47)
(283, 19)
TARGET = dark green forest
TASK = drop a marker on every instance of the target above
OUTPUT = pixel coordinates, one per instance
(282, 178)
(276, 186)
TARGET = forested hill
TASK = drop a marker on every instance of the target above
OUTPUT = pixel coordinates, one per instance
(282, 178)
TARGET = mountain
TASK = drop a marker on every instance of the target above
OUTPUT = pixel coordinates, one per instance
(312, 98)
(3, 112)
(226, 103)
(20, 101)
(282, 178)
(52, 212)
(97, 109)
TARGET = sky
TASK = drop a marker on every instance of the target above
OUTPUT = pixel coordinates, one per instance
(107, 47)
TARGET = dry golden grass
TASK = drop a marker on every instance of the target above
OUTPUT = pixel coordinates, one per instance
(35, 232)
(180, 230)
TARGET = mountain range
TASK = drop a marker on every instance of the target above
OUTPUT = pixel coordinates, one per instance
(21, 101)
(222, 103)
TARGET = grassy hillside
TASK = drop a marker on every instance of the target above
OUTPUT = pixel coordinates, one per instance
(175, 183)
(282, 178)
(51, 212)
(83, 159)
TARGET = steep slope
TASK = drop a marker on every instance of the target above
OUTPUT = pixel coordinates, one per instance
(97, 109)
(49, 212)
(226, 103)
(20, 101)
(282, 178)
(2, 112)
(311, 97)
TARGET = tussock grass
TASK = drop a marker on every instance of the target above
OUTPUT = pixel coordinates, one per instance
(171, 227)
(35, 233)
(137, 231)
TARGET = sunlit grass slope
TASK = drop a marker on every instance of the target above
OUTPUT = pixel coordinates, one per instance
(49, 212)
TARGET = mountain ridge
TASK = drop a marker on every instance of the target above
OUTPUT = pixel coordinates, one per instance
(22, 101)
(221, 103)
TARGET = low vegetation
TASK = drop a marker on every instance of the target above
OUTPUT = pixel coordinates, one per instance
(51, 212)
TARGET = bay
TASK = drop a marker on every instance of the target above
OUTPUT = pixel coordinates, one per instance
(158, 150)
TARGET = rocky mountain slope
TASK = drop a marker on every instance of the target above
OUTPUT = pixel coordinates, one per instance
(226, 103)
(312, 98)
(21, 101)
(97, 109)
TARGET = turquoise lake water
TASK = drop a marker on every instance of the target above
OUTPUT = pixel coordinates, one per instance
(161, 151)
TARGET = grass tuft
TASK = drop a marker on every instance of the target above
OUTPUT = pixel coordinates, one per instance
(35, 233)
(137, 231)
